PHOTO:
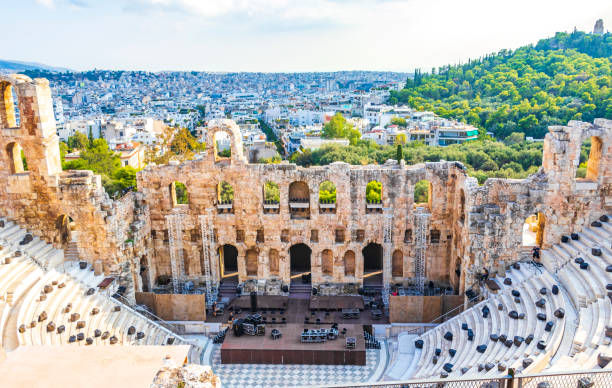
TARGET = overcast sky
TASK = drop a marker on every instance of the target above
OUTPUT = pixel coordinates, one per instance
(280, 35)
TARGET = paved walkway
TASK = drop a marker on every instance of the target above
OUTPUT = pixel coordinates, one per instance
(267, 376)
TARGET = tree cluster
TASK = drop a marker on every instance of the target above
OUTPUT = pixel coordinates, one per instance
(482, 158)
(95, 155)
(567, 77)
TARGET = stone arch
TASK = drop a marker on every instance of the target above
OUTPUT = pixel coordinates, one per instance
(273, 262)
(590, 159)
(299, 200)
(16, 157)
(372, 262)
(63, 227)
(349, 263)
(423, 193)
(271, 192)
(225, 197)
(222, 146)
(374, 196)
(327, 197)
(228, 260)
(299, 260)
(179, 195)
(327, 262)
(9, 106)
(397, 263)
(533, 230)
(235, 138)
(252, 262)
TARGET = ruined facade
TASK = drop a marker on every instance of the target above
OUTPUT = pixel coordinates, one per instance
(150, 233)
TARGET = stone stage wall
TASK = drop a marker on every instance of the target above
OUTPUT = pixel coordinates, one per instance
(470, 227)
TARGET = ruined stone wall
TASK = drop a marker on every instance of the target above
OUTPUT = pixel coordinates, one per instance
(281, 231)
(38, 194)
(479, 227)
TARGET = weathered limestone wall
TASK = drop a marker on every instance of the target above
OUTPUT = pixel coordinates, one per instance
(417, 308)
(175, 307)
(281, 231)
(479, 227)
(38, 197)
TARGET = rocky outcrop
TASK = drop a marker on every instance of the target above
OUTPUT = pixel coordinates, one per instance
(172, 375)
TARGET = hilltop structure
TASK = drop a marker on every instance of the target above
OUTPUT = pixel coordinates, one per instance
(599, 27)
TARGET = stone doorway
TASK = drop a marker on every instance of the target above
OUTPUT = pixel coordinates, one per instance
(300, 263)
(228, 260)
(372, 263)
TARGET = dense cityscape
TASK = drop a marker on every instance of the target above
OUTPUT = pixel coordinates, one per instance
(130, 109)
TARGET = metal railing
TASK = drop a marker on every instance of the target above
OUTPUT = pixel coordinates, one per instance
(597, 378)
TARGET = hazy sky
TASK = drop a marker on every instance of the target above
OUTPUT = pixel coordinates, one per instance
(280, 35)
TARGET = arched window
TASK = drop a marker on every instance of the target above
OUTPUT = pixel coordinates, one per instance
(590, 157)
(299, 200)
(16, 156)
(374, 197)
(271, 196)
(225, 197)
(372, 263)
(349, 263)
(223, 146)
(251, 262)
(9, 109)
(327, 197)
(533, 230)
(63, 225)
(423, 194)
(397, 263)
(273, 261)
(327, 262)
(178, 193)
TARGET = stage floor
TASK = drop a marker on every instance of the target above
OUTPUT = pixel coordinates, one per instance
(288, 349)
(298, 309)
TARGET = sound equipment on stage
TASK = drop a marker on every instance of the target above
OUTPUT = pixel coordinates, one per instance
(237, 327)
(253, 301)
(314, 291)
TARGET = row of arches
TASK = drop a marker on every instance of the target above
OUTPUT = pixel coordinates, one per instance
(300, 262)
(300, 192)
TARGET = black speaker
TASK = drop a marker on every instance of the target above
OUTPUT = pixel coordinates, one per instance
(253, 301)
(237, 326)
(285, 288)
(314, 291)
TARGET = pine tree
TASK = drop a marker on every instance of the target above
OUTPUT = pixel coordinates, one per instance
(400, 153)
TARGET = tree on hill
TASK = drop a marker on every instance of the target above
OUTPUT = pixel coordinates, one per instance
(339, 128)
(563, 78)
(77, 141)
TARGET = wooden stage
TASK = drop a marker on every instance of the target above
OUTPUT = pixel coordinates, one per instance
(288, 349)
(264, 302)
(333, 303)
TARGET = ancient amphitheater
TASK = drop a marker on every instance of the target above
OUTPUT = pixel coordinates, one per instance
(74, 263)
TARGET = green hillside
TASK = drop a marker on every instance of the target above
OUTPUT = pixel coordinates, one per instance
(568, 76)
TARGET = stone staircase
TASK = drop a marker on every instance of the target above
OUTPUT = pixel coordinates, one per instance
(71, 253)
(300, 290)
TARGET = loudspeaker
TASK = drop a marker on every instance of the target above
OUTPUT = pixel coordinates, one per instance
(253, 301)
(314, 291)
(237, 326)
